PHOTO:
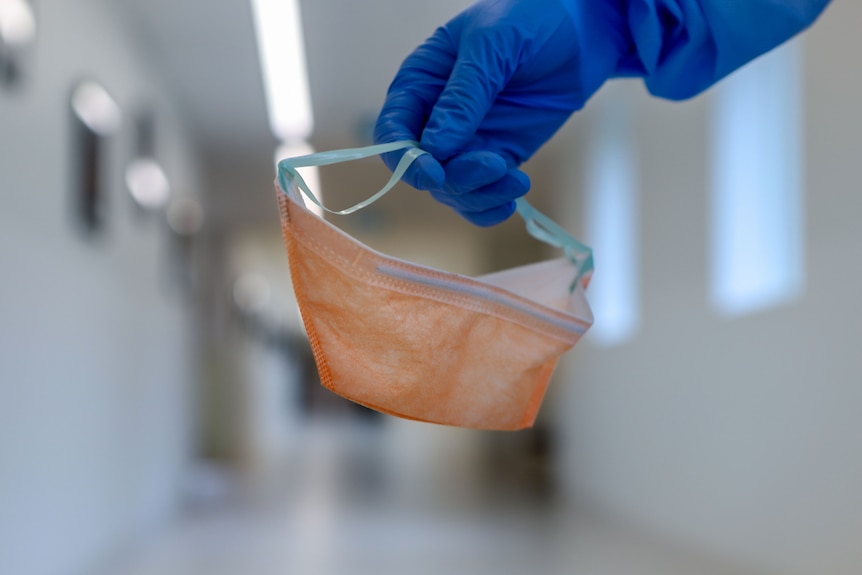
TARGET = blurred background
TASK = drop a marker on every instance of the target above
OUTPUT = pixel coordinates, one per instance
(160, 412)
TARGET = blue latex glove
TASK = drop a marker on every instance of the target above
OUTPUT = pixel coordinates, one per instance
(488, 89)
(495, 83)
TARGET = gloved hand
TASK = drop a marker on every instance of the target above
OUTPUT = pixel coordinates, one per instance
(494, 84)
(489, 88)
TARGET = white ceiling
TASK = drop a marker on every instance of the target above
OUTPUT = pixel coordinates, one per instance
(206, 50)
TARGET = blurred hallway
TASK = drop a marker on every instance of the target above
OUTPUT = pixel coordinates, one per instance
(160, 412)
(345, 508)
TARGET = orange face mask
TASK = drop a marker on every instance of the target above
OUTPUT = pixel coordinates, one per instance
(425, 344)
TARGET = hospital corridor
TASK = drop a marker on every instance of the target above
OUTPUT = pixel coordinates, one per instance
(676, 393)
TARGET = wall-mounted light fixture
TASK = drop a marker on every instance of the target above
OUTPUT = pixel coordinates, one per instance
(185, 218)
(146, 180)
(95, 117)
(17, 32)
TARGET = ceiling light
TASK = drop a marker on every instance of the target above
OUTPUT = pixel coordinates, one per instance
(148, 183)
(95, 108)
(185, 216)
(282, 56)
(17, 23)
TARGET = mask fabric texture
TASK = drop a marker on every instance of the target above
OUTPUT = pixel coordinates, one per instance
(425, 344)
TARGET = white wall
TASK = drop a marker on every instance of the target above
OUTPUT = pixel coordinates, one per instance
(95, 353)
(739, 436)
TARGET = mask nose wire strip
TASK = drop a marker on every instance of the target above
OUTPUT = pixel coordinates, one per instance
(540, 226)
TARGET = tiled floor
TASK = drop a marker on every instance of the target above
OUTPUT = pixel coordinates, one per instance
(335, 514)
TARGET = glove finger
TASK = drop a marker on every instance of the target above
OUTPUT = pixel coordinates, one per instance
(491, 217)
(409, 101)
(512, 185)
(425, 173)
(475, 82)
(473, 170)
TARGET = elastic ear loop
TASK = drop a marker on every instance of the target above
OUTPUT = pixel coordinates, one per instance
(550, 232)
(540, 226)
(287, 170)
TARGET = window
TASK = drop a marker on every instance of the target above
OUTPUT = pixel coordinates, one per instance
(756, 207)
(612, 231)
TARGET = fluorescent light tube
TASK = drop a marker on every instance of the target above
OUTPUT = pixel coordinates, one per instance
(285, 77)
